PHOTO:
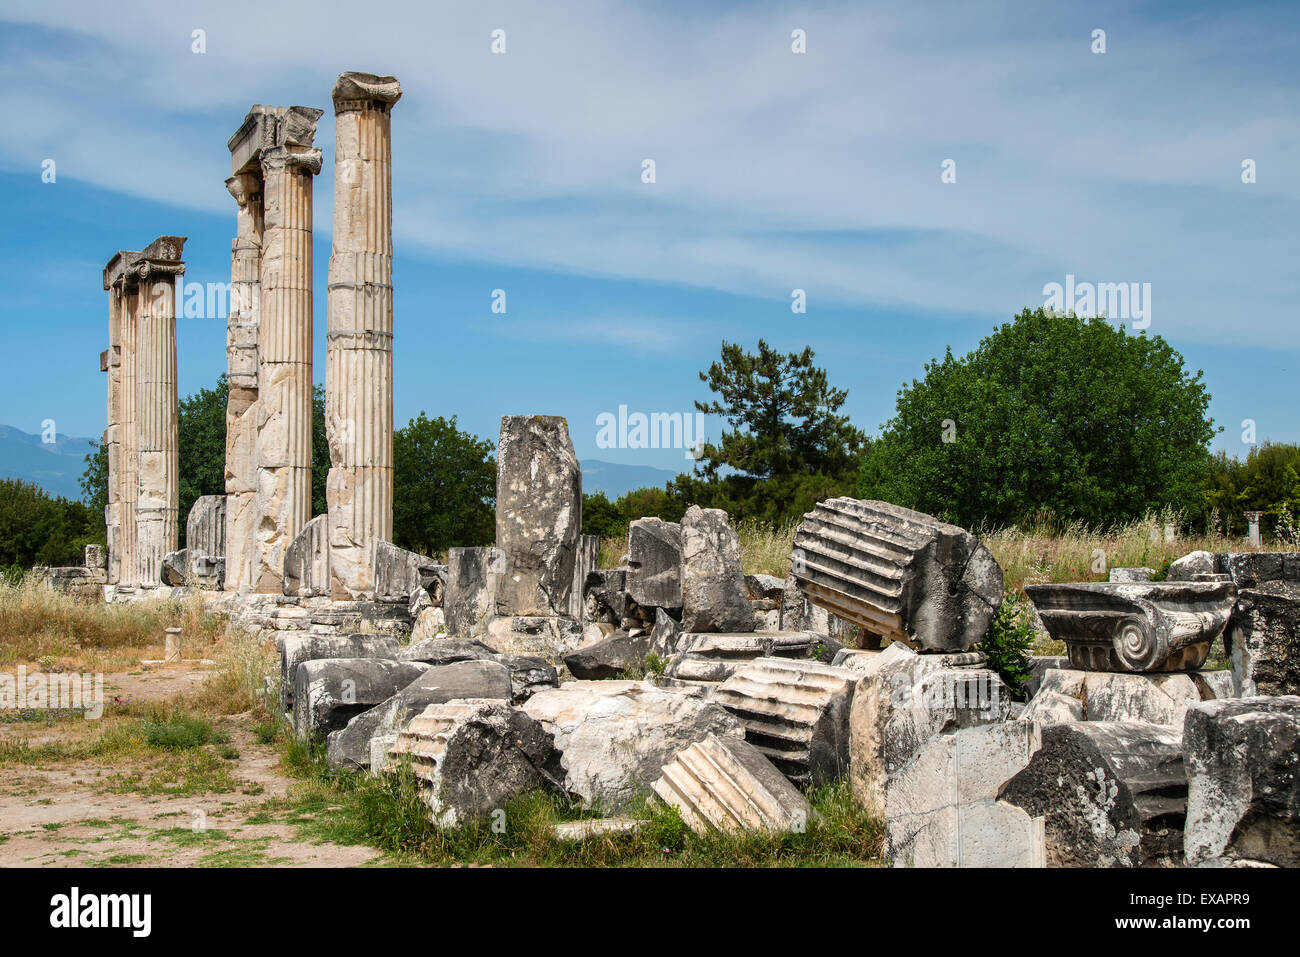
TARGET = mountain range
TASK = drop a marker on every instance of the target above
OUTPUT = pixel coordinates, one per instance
(54, 466)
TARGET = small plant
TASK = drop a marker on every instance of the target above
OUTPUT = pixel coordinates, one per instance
(177, 732)
(1007, 642)
(656, 665)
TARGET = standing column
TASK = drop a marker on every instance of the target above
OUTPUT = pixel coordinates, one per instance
(241, 379)
(359, 338)
(128, 488)
(284, 340)
(158, 501)
(111, 363)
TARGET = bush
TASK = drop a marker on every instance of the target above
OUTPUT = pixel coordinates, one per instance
(1007, 643)
(178, 732)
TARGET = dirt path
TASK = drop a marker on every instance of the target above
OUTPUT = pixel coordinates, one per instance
(64, 813)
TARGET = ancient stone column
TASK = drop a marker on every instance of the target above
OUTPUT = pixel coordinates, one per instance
(111, 362)
(157, 415)
(241, 378)
(359, 339)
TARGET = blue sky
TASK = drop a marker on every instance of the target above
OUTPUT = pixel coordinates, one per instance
(774, 171)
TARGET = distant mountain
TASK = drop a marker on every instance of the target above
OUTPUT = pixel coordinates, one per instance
(615, 479)
(55, 467)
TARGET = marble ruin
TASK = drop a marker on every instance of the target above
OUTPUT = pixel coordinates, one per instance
(521, 665)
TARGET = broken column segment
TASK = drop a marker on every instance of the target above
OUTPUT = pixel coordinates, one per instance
(359, 340)
(539, 515)
(654, 563)
(328, 693)
(796, 713)
(1243, 797)
(897, 573)
(205, 542)
(1136, 627)
(157, 413)
(1113, 794)
(726, 784)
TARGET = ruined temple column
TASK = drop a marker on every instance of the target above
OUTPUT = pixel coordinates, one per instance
(284, 340)
(110, 361)
(241, 378)
(359, 338)
(121, 277)
(157, 415)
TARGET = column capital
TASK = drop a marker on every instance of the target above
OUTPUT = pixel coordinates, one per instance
(365, 91)
(266, 127)
(243, 187)
(162, 257)
(119, 267)
(289, 158)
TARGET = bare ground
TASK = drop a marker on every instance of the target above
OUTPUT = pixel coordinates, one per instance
(64, 814)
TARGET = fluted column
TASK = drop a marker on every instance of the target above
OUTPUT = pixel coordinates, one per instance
(242, 380)
(359, 337)
(284, 346)
(128, 456)
(158, 501)
(111, 363)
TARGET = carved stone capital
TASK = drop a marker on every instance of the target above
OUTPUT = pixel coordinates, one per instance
(291, 158)
(243, 187)
(365, 91)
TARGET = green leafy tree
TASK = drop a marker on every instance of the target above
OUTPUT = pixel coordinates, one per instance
(1267, 480)
(37, 529)
(1051, 414)
(444, 487)
(201, 444)
(787, 443)
(94, 480)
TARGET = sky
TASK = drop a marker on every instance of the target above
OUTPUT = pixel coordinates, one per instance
(774, 171)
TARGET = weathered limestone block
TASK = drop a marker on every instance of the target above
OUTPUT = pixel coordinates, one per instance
(1039, 665)
(1263, 640)
(95, 558)
(1243, 795)
(472, 756)
(796, 713)
(445, 651)
(614, 657)
(429, 623)
(605, 595)
(1113, 794)
(616, 736)
(539, 515)
(295, 649)
(1191, 566)
(584, 563)
(72, 580)
(941, 807)
(665, 635)
(537, 636)
(1252, 569)
(473, 580)
(654, 563)
(1137, 627)
(1114, 696)
(349, 747)
(714, 597)
(205, 542)
(307, 561)
(907, 700)
(528, 676)
(1143, 574)
(175, 568)
(897, 573)
(328, 693)
(726, 784)
(714, 657)
(398, 572)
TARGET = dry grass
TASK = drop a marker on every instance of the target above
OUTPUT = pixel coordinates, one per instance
(38, 624)
(236, 683)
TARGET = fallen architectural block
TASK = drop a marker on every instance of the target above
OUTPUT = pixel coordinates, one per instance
(654, 563)
(714, 597)
(398, 572)
(1161, 698)
(1140, 627)
(595, 827)
(473, 577)
(471, 757)
(1113, 794)
(175, 568)
(665, 635)
(1131, 574)
(527, 676)
(205, 543)
(539, 515)
(1243, 792)
(295, 649)
(349, 747)
(306, 572)
(714, 657)
(617, 656)
(897, 573)
(428, 624)
(907, 700)
(1263, 640)
(605, 595)
(550, 638)
(941, 807)
(328, 693)
(1192, 567)
(616, 736)
(726, 784)
(445, 651)
(795, 712)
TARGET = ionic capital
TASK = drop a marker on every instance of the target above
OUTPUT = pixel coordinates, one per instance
(365, 91)
(243, 187)
(291, 158)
